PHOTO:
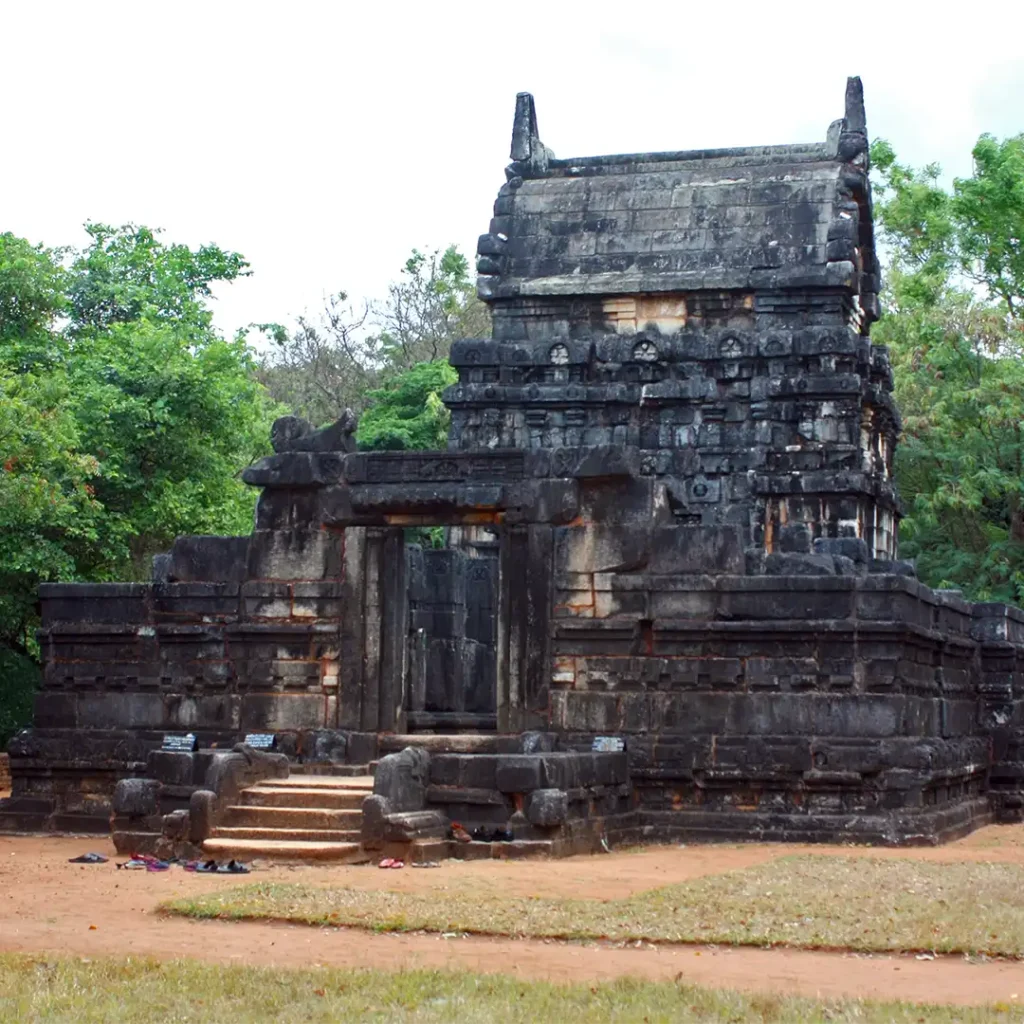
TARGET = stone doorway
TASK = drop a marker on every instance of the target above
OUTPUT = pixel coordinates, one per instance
(451, 664)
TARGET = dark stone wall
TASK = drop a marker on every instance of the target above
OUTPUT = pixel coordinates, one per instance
(682, 437)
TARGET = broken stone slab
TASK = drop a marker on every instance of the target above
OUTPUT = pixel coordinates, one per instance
(405, 826)
(176, 825)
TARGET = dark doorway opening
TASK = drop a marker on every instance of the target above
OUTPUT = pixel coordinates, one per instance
(452, 576)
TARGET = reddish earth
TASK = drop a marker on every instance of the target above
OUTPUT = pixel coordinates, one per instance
(47, 904)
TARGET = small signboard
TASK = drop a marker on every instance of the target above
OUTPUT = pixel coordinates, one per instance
(261, 740)
(186, 743)
(609, 744)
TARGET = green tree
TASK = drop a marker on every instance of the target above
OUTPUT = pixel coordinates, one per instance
(338, 360)
(49, 516)
(408, 412)
(127, 274)
(432, 304)
(170, 410)
(33, 294)
(172, 422)
(49, 519)
(325, 365)
(125, 419)
(953, 325)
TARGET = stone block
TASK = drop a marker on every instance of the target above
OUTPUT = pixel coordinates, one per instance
(375, 812)
(325, 746)
(794, 539)
(170, 767)
(519, 773)
(136, 798)
(402, 779)
(778, 564)
(547, 808)
(848, 547)
(201, 815)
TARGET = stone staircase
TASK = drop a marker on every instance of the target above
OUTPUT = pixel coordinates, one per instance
(301, 818)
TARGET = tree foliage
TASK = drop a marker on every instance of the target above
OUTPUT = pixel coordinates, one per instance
(125, 418)
(408, 413)
(350, 352)
(431, 305)
(953, 323)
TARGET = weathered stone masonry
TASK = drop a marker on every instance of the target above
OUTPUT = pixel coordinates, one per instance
(681, 436)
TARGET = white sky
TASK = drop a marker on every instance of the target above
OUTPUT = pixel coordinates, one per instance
(325, 140)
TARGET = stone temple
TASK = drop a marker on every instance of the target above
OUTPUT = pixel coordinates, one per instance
(669, 604)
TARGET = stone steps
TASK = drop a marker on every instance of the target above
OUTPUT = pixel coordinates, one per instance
(301, 835)
(293, 817)
(341, 800)
(332, 771)
(339, 783)
(301, 818)
(284, 850)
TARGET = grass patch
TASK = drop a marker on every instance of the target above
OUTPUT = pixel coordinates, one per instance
(58, 990)
(804, 901)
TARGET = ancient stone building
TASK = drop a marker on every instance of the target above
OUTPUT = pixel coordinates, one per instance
(671, 524)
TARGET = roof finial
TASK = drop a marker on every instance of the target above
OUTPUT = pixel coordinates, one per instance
(855, 118)
(525, 139)
(849, 136)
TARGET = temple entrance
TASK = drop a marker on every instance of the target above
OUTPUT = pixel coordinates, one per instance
(452, 642)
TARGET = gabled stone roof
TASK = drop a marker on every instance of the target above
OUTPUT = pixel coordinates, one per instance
(748, 218)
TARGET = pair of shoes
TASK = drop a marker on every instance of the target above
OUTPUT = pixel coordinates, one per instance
(487, 835)
(391, 862)
(459, 834)
(211, 867)
(88, 858)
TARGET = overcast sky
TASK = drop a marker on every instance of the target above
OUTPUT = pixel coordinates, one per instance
(325, 140)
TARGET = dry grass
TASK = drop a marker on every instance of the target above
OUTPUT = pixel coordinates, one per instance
(73, 991)
(803, 901)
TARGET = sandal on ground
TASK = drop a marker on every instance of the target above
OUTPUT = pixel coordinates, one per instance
(397, 864)
(88, 858)
(209, 868)
(233, 867)
(387, 862)
(459, 834)
(133, 864)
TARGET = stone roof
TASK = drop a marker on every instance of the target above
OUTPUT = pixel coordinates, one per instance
(754, 217)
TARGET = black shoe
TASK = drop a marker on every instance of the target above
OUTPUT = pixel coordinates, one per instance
(502, 835)
(480, 834)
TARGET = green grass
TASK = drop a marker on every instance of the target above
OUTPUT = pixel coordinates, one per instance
(812, 902)
(72, 991)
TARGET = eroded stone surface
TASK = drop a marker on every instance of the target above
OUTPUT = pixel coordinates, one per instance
(672, 524)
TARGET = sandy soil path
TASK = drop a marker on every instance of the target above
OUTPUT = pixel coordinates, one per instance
(49, 905)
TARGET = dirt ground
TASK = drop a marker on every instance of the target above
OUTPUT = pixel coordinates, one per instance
(49, 905)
